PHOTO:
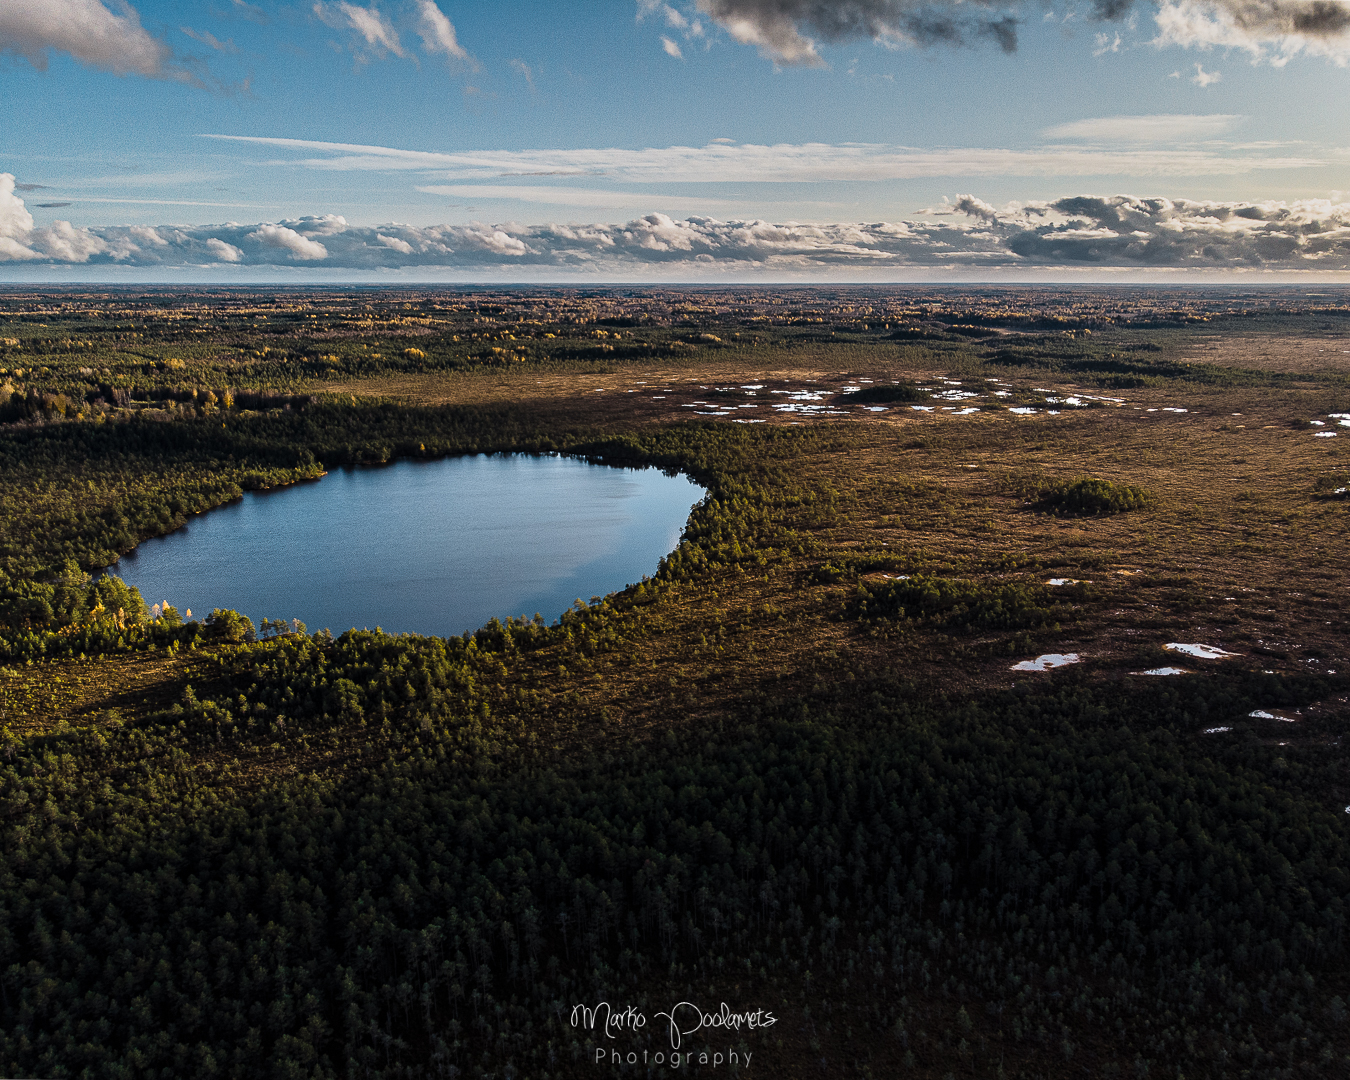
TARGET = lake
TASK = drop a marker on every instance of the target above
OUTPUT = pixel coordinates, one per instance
(434, 547)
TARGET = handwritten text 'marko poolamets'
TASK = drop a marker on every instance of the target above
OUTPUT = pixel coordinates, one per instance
(682, 1021)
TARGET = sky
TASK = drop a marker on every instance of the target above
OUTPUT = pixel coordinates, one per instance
(859, 140)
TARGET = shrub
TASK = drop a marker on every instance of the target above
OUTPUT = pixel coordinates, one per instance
(1333, 487)
(226, 625)
(1093, 496)
(950, 602)
(887, 392)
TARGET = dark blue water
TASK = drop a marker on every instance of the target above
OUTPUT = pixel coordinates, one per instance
(425, 547)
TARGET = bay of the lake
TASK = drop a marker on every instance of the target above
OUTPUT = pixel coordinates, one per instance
(434, 547)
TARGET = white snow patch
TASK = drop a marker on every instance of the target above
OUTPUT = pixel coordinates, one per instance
(1165, 671)
(1203, 652)
(1047, 661)
(1216, 730)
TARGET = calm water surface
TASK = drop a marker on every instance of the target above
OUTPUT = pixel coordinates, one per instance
(426, 547)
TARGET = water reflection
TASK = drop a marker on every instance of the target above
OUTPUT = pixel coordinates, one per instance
(428, 547)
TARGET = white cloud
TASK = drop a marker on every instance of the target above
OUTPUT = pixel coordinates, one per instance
(1105, 44)
(976, 208)
(285, 239)
(525, 72)
(63, 242)
(1164, 128)
(1203, 78)
(223, 252)
(674, 18)
(15, 223)
(790, 163)
(1273, 31)
(774, 32)
(374, 28)
(671, 48)
(394, 243)
(147, 235)
(437, 32)
(209, 39)
(88, 31)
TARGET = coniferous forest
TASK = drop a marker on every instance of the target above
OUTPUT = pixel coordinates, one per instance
(808, 778)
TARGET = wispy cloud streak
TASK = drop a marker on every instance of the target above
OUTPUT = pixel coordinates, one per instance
(786, 163)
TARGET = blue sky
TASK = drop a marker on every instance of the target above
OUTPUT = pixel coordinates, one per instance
(492, 122)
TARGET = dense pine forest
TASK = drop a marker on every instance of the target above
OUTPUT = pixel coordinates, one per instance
(801, 769)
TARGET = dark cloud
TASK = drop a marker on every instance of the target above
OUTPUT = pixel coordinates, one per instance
(51, 205)
(1322, 18)
(1270, 30)
(788, 30)
(1004, 32)
(785, 29)
(841, 20)
(1128, 231)
(1111, 10)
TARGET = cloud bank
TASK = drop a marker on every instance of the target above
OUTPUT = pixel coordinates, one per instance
(790, 31)
(1120, 231)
